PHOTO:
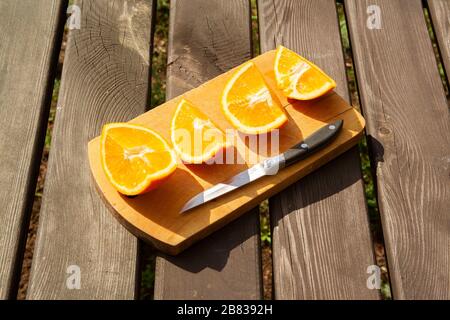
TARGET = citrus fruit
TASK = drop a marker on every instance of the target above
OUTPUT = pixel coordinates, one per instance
(134, 158)
(195, 137)
(249, 104)
(299, 78)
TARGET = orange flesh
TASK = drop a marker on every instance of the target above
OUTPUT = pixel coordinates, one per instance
(195, 137)
(249, 104)
(300, 78)
(133, 157)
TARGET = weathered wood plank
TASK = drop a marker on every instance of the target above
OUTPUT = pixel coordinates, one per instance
(207, 38)
(321, 239)
(105, 78)
(225, 265)
(408, 121)
(440, 16)
(29, 44)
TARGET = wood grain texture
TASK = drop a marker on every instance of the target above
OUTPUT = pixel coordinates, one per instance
(408, 121)
(321, 239)
(29, 35)
(105, 78)
(155, 216)
(440, 17)
(207, 38)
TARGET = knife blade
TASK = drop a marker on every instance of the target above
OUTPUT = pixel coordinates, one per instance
(269, 166)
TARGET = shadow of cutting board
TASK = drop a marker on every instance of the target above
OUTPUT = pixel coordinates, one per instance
(155, 216)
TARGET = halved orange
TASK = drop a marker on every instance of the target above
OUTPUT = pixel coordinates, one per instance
(195, 137)
(134, 158)
(248, 103)
(299, 78)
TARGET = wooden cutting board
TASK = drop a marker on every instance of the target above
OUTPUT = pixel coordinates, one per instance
(155, 216)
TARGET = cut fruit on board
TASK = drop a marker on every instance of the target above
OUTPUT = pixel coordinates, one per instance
(249, 104)
(134, 158)
(155, 216)
(299, 78)
(195, 138)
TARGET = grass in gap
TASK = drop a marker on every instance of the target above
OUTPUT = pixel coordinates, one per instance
(159, 58)
(264, 215)
(256, 50)
(158, 96)
(437, 54)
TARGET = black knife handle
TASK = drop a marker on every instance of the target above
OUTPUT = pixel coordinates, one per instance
(311, 144)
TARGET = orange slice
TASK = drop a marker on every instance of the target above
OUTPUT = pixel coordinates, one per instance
(135, 159)
(195, 137)
(299, 78)
(249, 104)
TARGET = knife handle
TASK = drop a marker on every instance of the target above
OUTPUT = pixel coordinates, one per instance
(311, 144)
(294, 154)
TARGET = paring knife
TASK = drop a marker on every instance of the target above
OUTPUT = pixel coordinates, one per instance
(270, 166)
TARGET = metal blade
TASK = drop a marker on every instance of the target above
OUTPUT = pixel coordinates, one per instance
(239, 180)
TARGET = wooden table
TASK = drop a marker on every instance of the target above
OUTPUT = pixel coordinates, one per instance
(321, 239)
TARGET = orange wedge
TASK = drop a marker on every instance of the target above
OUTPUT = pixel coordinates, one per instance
(195, 138)
(134, 158)
(249, 104)
(299, 78)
